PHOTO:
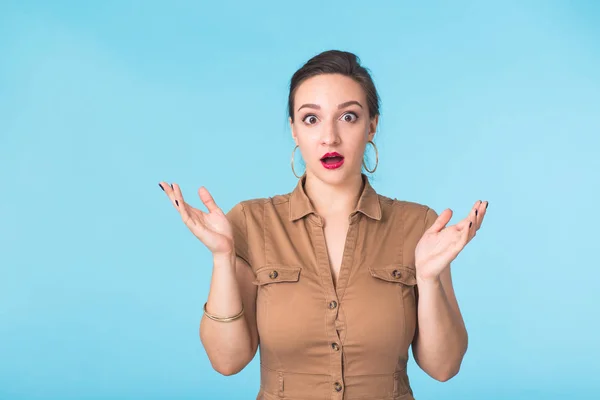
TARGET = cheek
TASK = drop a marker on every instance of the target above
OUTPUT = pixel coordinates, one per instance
(308, 148)
(308, 137)
(358, 155)
(356, 132)
(355, 142)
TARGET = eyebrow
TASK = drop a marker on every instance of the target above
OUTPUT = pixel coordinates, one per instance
(340, 106)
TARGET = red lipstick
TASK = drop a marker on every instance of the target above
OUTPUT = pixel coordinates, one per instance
(332, 160)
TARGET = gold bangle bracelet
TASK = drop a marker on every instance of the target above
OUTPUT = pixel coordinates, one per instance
(223, 319)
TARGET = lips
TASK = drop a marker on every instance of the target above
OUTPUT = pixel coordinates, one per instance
(332, 156)
(332, 160)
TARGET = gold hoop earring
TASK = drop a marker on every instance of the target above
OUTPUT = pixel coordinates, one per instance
(293, 170)
(376, 159)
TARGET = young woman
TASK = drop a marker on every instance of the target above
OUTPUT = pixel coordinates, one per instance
(334, 281)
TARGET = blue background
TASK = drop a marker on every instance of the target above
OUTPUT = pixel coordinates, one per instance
(102, 286)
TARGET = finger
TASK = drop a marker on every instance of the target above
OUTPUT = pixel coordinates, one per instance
(476, 211)
(462, 231)
(181, 205)
(208, 200)
(472, 219)
(168, 189)
(465, 228)
(441, 221)
(466, 223)
(467, 233)
(481, 211)
(473, 223)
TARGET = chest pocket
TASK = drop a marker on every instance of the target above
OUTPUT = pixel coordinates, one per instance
(276, 274)
(397, 281)
(396, 273)
(281, 312)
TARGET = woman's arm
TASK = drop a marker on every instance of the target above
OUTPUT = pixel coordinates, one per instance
(230, 346)
(441, 339)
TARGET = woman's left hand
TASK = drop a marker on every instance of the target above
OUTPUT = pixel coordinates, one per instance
(440, 244)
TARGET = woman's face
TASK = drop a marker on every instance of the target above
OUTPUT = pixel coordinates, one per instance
(331, 116)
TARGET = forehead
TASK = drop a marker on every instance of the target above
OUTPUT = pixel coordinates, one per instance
(329, 90)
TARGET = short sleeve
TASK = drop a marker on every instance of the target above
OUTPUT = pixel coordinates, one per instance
(430, 217)
(237, 219)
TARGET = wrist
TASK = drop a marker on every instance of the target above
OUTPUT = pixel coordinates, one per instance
(224, 258)
(428, 281)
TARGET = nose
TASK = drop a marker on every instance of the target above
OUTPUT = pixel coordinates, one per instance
(330, 135)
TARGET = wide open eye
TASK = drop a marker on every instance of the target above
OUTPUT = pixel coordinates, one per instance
(310, 119)
(349, 117)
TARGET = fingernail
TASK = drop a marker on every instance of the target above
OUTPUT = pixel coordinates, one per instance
(171, 186)
(161, 187)
(486, 206)
(475, 212)
(470, 224)
(176, 202)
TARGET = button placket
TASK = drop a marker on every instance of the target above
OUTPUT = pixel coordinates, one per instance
(336, 349)
(332, 308)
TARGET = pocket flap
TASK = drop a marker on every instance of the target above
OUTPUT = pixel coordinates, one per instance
(395, 273)
(276, 274)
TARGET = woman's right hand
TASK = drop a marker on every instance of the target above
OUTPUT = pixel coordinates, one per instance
(212, 228)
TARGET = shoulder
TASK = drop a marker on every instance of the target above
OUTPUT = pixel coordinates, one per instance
(255, 208)
(260, 202)
(411, 213)
(405, 206)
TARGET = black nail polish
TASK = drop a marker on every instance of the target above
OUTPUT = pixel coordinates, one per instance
(176, 202)
(470, 224)
(171, 186)
(161, 187)
(476, 212)
(486, 206)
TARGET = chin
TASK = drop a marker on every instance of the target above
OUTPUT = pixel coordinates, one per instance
(335, 177)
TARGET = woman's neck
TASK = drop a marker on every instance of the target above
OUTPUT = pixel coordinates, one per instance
(333, 200)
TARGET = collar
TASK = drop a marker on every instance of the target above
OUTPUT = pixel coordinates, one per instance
(368, 202)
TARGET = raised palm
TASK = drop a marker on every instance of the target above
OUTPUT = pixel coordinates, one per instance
(440, 244)
(212, 227)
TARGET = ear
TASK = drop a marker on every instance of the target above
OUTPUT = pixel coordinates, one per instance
(373, 126)
(292, 130)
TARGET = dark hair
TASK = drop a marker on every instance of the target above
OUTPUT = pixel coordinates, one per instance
(336, 62)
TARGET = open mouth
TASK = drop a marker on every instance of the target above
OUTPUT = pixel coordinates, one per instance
(332, 160)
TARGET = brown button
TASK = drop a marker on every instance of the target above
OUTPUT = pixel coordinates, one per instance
(273, 274)
(335, 346)
(396, 274)
(333, 304)
(337, 386)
